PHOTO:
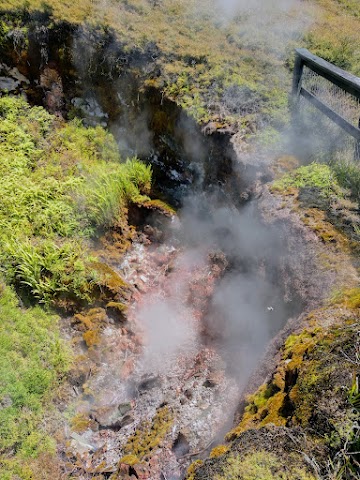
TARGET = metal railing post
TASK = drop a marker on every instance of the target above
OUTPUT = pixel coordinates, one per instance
(357, 147)
(296, 87)
(344, 80)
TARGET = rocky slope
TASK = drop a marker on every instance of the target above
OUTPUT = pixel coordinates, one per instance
(250, 273)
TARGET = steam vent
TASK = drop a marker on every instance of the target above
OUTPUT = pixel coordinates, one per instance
(179, 240)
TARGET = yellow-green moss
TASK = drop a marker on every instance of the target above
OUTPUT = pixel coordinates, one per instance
(266, 405)
(261, 465)
(263, 407)
(92, 338)
(91, 324)
(81, 422)
(130, 460)
(316, 220)
(94, 317)
(348, 298)
(121, 307)
(159, 205)
(148, 436)
(296, 346)
(303, 375)
(108, 277)
(191, 471)
(219, 451)
(117, 308)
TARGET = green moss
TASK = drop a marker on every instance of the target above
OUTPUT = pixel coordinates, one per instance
(148, 436)
(219, 451)
(315, 175)
(108, 278)
(191, 471)
(261, 465)
(130, 460)
(158, 205)
(81, 422)
(348, 298)
(313, 367)
(120, 307)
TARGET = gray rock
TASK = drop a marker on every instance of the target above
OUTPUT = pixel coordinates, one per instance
(113, 417)
(82, 444)
(8, 84)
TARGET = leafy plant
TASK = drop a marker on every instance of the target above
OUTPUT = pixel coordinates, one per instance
(59, 184)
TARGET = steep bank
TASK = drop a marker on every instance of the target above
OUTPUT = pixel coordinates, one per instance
(303, 421)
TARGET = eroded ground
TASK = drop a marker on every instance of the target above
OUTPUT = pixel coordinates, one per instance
(155, 394)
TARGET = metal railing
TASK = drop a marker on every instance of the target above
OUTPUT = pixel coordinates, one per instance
(329, 90)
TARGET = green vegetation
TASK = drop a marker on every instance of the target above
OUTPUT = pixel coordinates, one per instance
(237, 77)
(316, 371)
(347, 174)
(33, 361)
(260, 465)
(147, 438)
(315, 175)
(336, 32)
(222, 81)
(59, 184)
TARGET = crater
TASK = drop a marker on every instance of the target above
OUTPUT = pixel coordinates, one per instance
(242, 285)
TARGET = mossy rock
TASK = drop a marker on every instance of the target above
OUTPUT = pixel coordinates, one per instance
(149, 435)
(81, 422)
(159, 206)
(109, 279)
(310, 382)
(91, 323)
(219, 451)
(92, 338)
(349, 298)
(117, 310)
(264, 454)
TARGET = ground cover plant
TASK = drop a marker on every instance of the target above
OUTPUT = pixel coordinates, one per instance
(60, 184)
(33, 362)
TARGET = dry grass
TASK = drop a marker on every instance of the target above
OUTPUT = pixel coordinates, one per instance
(335, 35)
(200, 56)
